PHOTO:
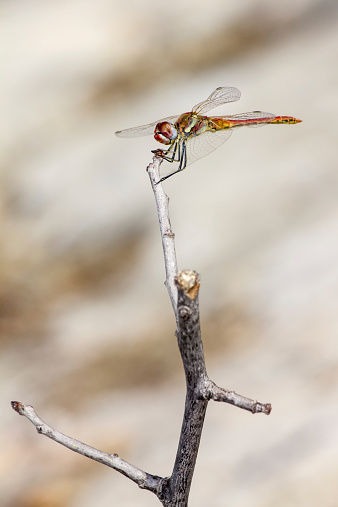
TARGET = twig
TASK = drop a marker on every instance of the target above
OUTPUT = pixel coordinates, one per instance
(213, 392)
(143, 479)
(168, 237)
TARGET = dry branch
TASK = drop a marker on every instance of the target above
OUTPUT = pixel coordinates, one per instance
(142, 479)
(183, 290)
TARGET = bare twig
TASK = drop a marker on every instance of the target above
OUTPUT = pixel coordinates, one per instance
(168, 237)
(213, 392)
(143, 480)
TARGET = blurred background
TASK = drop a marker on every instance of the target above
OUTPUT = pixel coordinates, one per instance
(86, 325)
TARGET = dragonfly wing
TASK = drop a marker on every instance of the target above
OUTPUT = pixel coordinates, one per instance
(145, 130)
(199, 146)
(261, 117)
(220, 96)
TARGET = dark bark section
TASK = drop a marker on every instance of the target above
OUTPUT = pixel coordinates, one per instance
(191, 349)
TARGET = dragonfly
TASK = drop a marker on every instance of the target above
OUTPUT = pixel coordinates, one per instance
(190, 136)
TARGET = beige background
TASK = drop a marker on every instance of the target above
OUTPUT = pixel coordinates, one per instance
(87, 331)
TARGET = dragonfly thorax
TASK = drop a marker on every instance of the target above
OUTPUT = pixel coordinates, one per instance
(165, 132)
(192, 124)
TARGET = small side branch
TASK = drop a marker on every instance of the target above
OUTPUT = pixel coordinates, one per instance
(213, 392)
(142, 479)
(168, 237)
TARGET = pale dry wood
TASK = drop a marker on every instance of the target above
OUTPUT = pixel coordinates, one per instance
(142, 479)
(213, 392)
(167, 235)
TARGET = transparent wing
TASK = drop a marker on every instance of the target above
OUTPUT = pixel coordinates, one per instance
(144, 130)
(220, 96)
(252, 119)
(198, 147)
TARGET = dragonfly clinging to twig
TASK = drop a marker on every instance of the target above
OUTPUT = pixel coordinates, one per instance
(193, 135)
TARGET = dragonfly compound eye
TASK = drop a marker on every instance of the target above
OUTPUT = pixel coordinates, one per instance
(165, 132)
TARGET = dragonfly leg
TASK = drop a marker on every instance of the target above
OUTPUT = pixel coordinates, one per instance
(183, 162)
(170, 154)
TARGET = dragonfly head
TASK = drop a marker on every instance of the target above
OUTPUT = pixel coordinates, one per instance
(165, 132)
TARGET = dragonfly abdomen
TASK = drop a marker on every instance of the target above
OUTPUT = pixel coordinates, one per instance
(285, 119)
(219, 124)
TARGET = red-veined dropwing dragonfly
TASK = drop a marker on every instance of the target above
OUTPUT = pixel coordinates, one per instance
(192, 135)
